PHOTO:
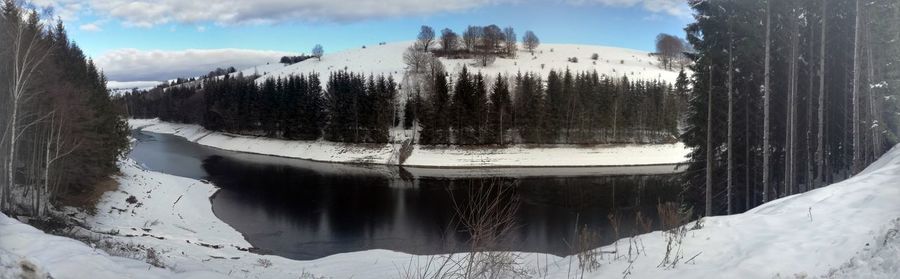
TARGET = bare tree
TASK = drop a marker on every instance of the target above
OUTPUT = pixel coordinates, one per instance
(531, 41)
(485, 58)
(416, 59)
(511, 41)
(492, 37)
(449, 40)
(426, 37)
(318, 52)
(669, 48)
(57, 146)
(28, 54)
(471, 37)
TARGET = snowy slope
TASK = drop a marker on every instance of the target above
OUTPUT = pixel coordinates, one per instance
(388, 60)
(846, 230)
(26, 251)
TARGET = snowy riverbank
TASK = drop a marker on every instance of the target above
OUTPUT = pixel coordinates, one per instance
(428, 157)
(848, 229)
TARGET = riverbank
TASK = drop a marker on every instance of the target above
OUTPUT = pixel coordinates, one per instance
(850, 228)
(517, 156)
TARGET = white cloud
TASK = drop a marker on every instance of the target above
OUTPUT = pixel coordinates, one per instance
(90, 27)
(135, 65)
(68, 10)
(201, 28)
(671, 7)
(147, 13)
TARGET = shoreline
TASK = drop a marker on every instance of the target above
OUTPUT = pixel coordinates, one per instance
(428, 157)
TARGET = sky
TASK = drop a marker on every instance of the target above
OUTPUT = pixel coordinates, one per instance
(152, 40)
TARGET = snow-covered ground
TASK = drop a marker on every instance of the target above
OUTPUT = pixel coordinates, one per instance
(846, 230)
(388, 60)
(387, 154)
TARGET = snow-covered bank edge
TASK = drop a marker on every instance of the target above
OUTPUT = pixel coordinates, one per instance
(422, 157)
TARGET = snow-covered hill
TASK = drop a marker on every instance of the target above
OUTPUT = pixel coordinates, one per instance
(388, 60)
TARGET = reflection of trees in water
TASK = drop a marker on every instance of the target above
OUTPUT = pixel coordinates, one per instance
(354, 212)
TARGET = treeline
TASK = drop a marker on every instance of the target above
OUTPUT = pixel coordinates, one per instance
(572, 108)
(62, 133)
(288, 60)
(355, 109)
(484, 43)
(788, 96)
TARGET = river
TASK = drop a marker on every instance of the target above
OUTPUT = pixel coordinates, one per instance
(307, 210)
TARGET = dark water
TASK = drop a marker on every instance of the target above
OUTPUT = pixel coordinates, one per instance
(306, 210)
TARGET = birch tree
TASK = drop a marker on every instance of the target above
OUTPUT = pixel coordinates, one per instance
(27, 55)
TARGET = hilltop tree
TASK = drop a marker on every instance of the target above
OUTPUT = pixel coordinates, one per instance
(449, 40)
(492, 36)
(426, 37)
(668, 48)
(531, 41)
(510, 41)
(318, 51)
(472, 36)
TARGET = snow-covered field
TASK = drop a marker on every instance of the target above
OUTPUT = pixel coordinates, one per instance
(388, 60)
(388, 154)
(846, 230)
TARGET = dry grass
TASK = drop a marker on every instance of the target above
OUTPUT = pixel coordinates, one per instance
(673, 218)
(487, 214)
(87, 199)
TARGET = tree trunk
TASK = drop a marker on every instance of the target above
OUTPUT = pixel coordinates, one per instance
(874, 116)
(766, 96)
(809, 118)
(730, 184)
(709, 145)
(857, 148)
(790, 152)
(820, 145)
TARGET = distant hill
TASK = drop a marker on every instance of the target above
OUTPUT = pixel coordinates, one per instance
(388, 60)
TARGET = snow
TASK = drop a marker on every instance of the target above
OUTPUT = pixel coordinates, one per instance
(24, 246)
(429, 157)
(388, 60)
(848, 229)
(574, 156)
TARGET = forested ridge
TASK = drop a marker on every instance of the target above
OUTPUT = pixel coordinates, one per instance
(788, 96)
(464, 108)
(61, 133)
